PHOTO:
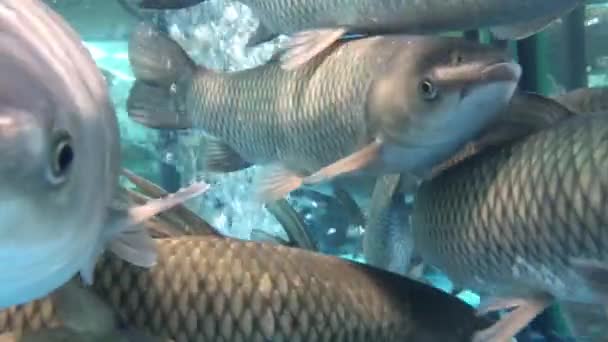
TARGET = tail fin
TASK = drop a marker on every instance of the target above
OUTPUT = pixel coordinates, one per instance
(162, 69)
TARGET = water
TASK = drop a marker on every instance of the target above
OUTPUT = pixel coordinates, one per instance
(215, 34)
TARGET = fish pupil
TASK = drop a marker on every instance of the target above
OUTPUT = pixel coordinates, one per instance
(428, 90)
(64, 158)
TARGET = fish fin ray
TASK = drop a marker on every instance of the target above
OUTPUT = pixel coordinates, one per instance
(306, 45)
(148, 188)
(135, 246)
(276, 183)
(139, 214)
(513, 322)
(496, 304)
(220, 157)
(130, 240)
(354, 162)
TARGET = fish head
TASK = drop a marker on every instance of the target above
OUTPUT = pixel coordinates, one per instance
(59, 151)
(440, 91)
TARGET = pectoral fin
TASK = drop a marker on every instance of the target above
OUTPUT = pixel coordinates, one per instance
(354, 162)
(275, 183)
(279, 181)
(219, 157)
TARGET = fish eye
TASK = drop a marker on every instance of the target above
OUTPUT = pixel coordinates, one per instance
(62, 158)
(428, 90)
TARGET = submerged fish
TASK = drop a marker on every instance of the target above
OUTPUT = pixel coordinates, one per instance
(318, 24)
(524, 224)
(214, 288)
(387, 242)
(375, 105)
(59, 146)
(585, 100)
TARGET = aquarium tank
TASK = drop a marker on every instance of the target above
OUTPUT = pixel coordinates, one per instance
(333, 217)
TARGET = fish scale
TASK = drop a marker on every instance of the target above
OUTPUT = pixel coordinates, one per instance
(218, 289)
(265, 300)
(322, 102)
(530, 207)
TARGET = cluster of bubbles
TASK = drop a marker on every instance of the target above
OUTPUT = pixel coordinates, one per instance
(215, 35)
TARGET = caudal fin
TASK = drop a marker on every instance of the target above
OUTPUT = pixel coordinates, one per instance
(128, 239)
(163, 69)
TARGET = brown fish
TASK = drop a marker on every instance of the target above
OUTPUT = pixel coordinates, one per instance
(524, 224)
(213, 288)
(585, 100)
(376, 105)
(317, 24)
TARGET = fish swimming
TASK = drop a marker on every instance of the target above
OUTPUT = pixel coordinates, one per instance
(214, 288)
(59, 146)
(315, 25)
(524, 224)
(387, 242)
(585, 100)
(373, 105)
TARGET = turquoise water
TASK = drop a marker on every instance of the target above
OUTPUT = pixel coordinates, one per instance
(214, 34)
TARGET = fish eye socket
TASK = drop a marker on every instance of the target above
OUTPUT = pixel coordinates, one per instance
(62, 158)
(428, 90)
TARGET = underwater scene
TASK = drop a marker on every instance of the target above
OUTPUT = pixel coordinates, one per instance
(304, 170)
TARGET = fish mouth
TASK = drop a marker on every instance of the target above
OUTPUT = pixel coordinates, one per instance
(501, 72)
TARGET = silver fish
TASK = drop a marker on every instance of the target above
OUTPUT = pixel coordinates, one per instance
(59, 146)
(318, 24)
(386, 104)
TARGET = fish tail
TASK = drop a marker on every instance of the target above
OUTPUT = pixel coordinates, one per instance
(163, 71)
